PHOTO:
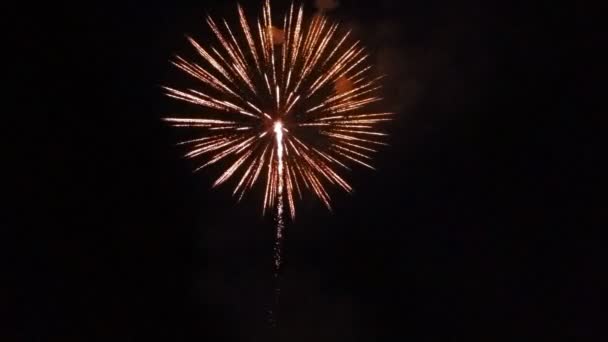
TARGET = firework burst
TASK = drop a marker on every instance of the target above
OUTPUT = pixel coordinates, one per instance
(288, 107)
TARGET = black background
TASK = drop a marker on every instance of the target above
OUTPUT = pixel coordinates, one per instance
(478, 223)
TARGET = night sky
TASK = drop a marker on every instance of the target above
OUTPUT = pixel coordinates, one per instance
(479, 223)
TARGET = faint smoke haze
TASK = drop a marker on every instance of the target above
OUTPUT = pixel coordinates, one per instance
(326, 5)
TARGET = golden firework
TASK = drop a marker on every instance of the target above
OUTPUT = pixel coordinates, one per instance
(289, 105)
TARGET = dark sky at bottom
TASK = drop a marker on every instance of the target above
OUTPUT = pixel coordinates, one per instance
(479, 224)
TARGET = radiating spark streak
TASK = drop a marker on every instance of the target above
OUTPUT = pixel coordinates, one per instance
(215, 139)
(346, 125)
(287, 31)
(350, 137)
(289, 97)
(254, 107)
(355, 159)
(194, 140)
(358, 146)
(301, 143)
(297, 130)
(284, 49)
(315, 124)
(310, 36)
(238, 68)
(205, 100)
(308, 48)
(319, 166)
(247, 32)
(332, 159)
(208, 147)
(352, 104)
(335, 177)
(273, 188)
(290, 201)
(358, 116)
(359, 91)
(293, 147)
(314, 108)
(197, 126)
(245, 176)
(274, 71)
(278, 98)
(352, 151)
(268, 182)
(319, 189)
(268, 34)
(267, 84)
(204, 76)
(223, 128)
(297, 37)
(211, 60)
(359, 132)
(228, 151)
(336, 48)
(288, 79)
(263, 42)
(200, 121)
(241, 59)
(337, 69)
(359, 73)
(231, 169)
(300, 170)
(292, 104)
(193, 99)
(319, 53)
(259, 169)
(360, 121)
(211, 147)
(295, 181)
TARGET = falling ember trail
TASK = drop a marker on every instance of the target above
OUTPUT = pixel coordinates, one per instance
(278, 130)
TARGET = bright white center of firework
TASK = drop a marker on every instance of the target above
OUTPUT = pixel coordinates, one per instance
(278, 130)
